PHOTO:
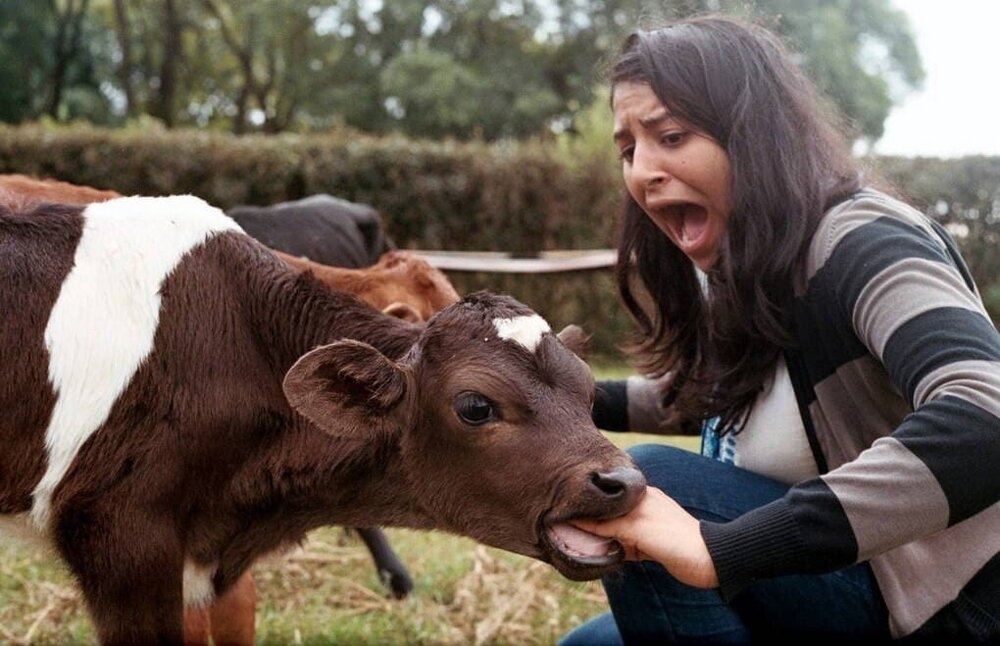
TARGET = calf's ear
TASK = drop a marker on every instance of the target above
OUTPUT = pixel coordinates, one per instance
(347, 388)
(574, 338)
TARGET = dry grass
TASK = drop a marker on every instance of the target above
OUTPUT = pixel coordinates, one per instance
(327, 592)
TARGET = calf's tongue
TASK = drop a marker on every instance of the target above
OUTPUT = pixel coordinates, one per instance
(580, 543)
(695, 218)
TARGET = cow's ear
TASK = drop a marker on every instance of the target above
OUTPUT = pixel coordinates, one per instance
(347, 388)
(574, 338)
(400, 310)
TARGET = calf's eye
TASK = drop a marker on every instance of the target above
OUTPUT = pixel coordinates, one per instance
(474, 409)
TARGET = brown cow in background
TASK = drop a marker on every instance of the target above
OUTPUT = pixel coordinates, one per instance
(401, 284)
(18, 191)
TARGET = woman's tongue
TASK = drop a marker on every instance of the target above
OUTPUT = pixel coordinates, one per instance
(694, 219)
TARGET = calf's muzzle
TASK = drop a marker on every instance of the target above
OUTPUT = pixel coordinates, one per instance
(623, 486)
(579, 555)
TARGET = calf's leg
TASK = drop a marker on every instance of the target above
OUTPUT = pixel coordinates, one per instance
(129, 568)
(387, 563)
(197, 626)
(232, 614)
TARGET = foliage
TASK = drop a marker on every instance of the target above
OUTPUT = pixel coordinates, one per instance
(485, 69)
(860, 54)
(53, 58)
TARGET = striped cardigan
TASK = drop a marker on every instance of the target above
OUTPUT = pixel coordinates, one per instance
(897, 374)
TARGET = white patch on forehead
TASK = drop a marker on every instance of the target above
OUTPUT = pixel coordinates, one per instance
(526, 330)
(102, 325)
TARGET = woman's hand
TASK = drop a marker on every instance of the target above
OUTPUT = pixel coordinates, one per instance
(659, 529)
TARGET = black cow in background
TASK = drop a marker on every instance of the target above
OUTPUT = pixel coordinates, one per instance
(322, 228)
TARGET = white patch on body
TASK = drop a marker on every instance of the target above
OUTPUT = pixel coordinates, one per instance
(526, 330)
(104, 320)
(199, 592)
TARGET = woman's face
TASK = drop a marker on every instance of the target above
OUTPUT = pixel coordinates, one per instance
(679, 177)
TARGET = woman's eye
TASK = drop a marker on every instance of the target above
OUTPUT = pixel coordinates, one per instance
(474, 409)
(625, 154)
(673, 138)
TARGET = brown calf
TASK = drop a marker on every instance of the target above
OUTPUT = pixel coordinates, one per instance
(178, 402)
(401, 284)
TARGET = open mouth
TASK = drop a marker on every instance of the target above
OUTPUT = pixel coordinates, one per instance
(693, 222)
(686, 221)
(580, 555)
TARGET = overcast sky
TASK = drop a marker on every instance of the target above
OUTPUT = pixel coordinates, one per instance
(958, 111)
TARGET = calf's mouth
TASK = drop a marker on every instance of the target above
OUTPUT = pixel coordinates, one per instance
(579, 555)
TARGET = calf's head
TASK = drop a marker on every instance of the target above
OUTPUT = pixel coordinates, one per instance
(491, 414)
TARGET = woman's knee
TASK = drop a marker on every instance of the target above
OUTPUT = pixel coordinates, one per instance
(600, 630)
(653, 455)
(708, 488)
(667, 466)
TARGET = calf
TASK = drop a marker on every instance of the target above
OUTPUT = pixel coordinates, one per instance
(400, 283)
(179, 402)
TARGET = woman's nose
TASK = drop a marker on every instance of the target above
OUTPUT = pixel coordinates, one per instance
(648, 169)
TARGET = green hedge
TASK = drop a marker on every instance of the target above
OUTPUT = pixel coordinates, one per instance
(516, 197)
(455, 196)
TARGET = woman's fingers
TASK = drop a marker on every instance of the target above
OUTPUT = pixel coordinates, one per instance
(661, 530)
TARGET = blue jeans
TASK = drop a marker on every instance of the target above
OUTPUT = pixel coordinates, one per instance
(650, 606)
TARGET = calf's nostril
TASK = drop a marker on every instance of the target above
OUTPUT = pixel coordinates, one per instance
(618, 482)
(606, 485)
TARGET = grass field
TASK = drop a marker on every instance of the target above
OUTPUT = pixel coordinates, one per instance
(327, 592)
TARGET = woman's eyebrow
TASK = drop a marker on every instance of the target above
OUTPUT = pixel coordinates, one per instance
(655, 119)
(651, 121)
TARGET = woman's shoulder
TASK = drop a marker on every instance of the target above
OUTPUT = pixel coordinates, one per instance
(864, 213)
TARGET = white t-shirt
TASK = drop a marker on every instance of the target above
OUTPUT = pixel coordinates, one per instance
(773, 441)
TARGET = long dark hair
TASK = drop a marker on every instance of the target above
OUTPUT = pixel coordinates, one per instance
(721, 334)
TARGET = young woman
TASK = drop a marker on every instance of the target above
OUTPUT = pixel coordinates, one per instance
(835, 343)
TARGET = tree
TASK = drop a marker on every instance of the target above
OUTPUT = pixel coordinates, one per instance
(52, 61)
(23, 59)
(434, 68)
(860, 53)
(125, 65)
(173, 54)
